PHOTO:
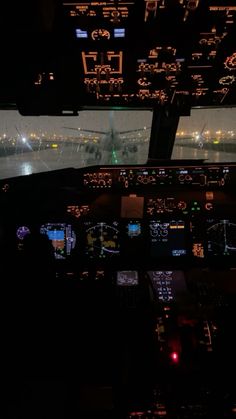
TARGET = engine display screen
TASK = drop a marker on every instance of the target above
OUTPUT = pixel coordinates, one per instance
(167, 238)
(127, 278)
(221, 237)
(62, 237)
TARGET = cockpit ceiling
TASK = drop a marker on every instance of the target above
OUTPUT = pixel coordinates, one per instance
(140, 53)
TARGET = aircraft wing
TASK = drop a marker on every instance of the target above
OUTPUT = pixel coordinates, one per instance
(134, 130)
(136, 139)
(86, 130)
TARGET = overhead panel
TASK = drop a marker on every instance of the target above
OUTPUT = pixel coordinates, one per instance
(146, 53)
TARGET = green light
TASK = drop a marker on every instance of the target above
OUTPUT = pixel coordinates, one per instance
(114, 159)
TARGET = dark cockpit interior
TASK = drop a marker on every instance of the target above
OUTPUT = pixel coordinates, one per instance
(118, 279)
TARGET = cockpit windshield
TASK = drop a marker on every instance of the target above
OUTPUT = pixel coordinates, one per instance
(33, 144)
(208, 134)
(42, 143)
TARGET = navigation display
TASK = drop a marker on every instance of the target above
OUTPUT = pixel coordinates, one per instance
(167, 238)
(221, 237)
(102, 240)
(62, 237)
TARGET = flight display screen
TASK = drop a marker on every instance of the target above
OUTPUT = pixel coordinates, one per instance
(62, 237)
(167, 238)
(102, 239)
(221, 237)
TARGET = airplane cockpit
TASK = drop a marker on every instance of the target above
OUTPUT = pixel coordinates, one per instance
(118, 209)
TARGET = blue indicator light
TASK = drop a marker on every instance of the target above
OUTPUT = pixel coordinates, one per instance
(81, 34)
(119, 32)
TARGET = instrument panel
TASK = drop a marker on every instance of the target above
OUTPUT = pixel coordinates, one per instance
(154, 242)
(127, 217)
(161, 256)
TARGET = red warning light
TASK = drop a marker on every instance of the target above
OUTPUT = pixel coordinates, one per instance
(174, 357)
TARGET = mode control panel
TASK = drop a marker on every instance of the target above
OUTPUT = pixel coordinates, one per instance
(205, 176)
